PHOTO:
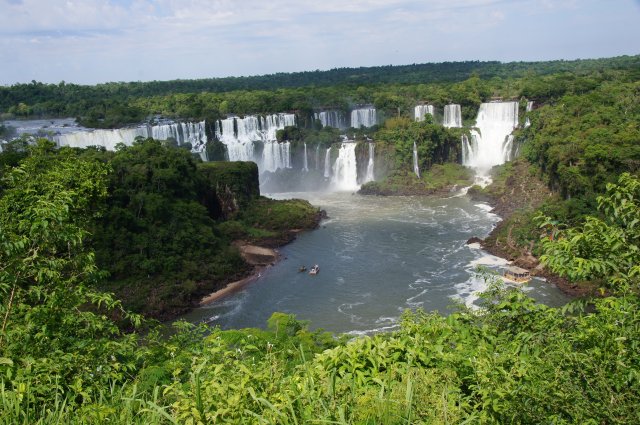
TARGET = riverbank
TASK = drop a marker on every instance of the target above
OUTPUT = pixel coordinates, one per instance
(515, 195)
(258, 257)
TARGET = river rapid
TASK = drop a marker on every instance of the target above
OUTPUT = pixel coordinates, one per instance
(378, 256)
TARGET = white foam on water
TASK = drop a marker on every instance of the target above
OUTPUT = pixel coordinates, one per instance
(373, 331)
(484, 207)
(489, 260)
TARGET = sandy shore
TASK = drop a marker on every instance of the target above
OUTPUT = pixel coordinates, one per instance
(259, 257)
(231, 288)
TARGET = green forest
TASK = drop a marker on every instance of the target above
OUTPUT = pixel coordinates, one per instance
(96, 246)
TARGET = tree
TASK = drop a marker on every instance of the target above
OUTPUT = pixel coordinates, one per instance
(54, 326)
(605, 248)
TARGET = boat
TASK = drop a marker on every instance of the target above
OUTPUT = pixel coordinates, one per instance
(516, 274)
(315, 269)
(302, 269)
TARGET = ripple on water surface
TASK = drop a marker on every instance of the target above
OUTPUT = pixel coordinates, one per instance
(377, 257)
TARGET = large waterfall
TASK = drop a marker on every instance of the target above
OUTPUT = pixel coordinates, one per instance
(364, 117)
(370, 176)
(317, 157)
(492, 144)
(416, 168)
(421, 110)
(345, 170)
(239, 135)
(182, 133)
(452, 116)
(276, 155)
(327, 163)
(333, 118)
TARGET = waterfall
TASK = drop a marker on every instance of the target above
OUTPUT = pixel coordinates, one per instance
(452, 116)
(421, 110)
(416, 168)
(467, 148)
(327, 163)
(275, 156)
(182, 133)
(305, 165)
(333, 118)
(364, 117)
(233, 133)
(527, 123)
(317, 157)
(492, 144)
(370, 175)
(345, 170)
(239, 135)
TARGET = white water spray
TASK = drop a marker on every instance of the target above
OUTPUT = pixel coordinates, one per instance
(421, 110)
(239, 134)
(527, 122)
(333, 118)
(182, 133)
(492, 144)
(416, 168)
(452, 116)
(327, 163)
(345, 169)
(370, 176)
(364, 117)
(305, 165)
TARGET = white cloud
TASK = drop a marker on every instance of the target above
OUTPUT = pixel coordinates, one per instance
(103, 40)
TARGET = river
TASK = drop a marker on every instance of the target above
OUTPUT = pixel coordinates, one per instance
(378, 256)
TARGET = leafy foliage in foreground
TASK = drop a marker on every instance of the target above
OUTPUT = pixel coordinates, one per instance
(62, 359)
(605, 248)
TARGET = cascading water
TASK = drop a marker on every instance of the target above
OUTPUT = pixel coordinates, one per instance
(327, 163)
(233, 133)
(421, 110)
(305, 164)
(276, 155)
(183, 132)
(364, 117)
(317, 157)
(467, 149)
(416, 168)
(193, 133)
(527, 123)
(345, 170)
(492, 144)
(333, 118)
(452, 116)
(239, 135)
(370, 171)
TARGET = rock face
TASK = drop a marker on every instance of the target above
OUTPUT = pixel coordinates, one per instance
(230, 187)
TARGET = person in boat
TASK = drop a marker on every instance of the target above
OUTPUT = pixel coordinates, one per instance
(302, 268)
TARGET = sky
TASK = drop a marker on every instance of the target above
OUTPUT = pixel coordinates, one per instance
(96, 41)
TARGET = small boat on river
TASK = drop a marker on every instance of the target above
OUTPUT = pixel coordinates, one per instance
(315, 269)
(302, 269)
(516, 275)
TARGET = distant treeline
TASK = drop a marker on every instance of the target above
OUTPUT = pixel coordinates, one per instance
(115, 104)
